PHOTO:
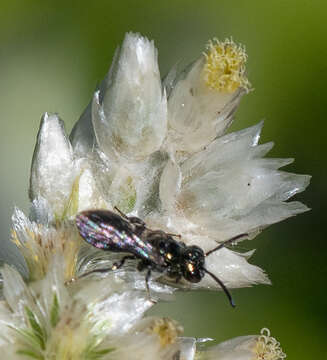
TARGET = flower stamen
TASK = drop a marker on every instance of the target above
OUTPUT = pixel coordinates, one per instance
(224, 70)
(267, 347)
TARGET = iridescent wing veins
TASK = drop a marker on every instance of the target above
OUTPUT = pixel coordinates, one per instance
(106, 230)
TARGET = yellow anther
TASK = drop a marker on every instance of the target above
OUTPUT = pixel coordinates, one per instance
(224, 69)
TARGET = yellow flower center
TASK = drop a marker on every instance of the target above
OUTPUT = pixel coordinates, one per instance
(224, 70)
(167, 330)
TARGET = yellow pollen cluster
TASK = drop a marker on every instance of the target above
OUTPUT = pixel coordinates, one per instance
(167, 329)
(224, 69)
(267, 347)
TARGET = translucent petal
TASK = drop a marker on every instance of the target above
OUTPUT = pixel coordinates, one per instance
(52, 171)
(197, 114)
(187, 348)
(170, 183)
(229, 189)
(114, 303)
(82, 136)
(41, 212)
(239, 348)
(134, 107)
(15, 291)
(233, 270)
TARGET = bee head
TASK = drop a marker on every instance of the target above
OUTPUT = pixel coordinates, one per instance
(192, 264)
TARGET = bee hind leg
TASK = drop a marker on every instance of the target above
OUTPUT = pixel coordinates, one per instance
(115, 266)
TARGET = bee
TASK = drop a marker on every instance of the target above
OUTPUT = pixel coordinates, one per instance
(156, 250)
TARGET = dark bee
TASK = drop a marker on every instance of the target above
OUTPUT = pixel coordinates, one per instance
(156, 249)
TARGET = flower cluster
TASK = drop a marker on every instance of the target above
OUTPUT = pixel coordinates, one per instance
(157, 150)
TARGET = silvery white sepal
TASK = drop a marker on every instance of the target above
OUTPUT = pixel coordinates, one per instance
(114, 304)
(232, 269)
(196, 113)
(187, 348)
(133, 117)
(229, 188)
(82, 136)
(85, 191)
(41, 211)
(52, 171)
(170, 183)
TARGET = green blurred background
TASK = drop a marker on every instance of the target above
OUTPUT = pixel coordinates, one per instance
(53, 53)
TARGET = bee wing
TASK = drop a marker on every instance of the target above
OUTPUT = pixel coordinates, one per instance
(106, 230)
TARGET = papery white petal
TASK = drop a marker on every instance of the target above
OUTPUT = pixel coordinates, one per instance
(15, 291)
(170, 183)
(41, 212)
(138, 346)
(169, 80)
(151, 338)
(187, 348)
(82, 136)
(233, 270)
(54, 285)
(133, 116)
(52, 171)
(227, 189)
(197, 114)
(22, 226)
(147, 179)
(114, 304)
(240, 348)
(5, 322)
(89, 196)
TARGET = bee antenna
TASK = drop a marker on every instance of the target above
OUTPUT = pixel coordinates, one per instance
(120, 212)
(226, 291)
(223, 244)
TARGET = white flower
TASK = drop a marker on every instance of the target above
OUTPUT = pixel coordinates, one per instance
(186, 179)
(90, 320)
(39, 243)
(157, 150)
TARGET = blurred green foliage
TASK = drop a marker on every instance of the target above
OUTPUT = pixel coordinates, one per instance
(53, 53)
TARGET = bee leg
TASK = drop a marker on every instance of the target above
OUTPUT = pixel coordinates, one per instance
(121, 213)
(118, 265)
(174, 235)
(115, 266)
(147, 278)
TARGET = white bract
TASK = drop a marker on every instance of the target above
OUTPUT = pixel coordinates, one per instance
(157, 150)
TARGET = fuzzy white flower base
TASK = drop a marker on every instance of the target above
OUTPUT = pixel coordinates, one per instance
(159, 151)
